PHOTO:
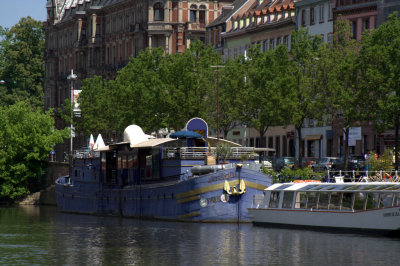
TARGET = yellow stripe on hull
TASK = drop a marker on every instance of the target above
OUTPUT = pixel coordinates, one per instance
(195, 193)
(192, 214)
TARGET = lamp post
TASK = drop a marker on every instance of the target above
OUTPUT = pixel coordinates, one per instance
(217, 70)
(72, 77)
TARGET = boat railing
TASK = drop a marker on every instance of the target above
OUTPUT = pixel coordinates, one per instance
(363, 176)
(85, 154)
(201, 152)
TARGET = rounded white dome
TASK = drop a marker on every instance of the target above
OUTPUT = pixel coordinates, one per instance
(134, 134)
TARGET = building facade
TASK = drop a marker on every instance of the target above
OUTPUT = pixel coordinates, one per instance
(97, 37)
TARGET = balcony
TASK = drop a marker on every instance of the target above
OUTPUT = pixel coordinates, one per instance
(159, 27)
(196, 26)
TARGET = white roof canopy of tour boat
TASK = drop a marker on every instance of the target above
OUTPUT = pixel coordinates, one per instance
(330, 187)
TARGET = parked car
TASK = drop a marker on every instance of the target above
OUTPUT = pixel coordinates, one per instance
(283, 162)
(354, 163)
(266, 162)
(309, 161)
(324, 164)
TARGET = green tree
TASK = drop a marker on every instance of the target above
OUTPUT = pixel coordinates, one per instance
(264, 95)
(346, 100)
(21, 62)
(27, 135)
(380, 61)
(94, 99)
(231, 89)
(303, 92)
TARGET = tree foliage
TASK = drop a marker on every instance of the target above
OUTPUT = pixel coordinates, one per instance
(21, 62)
(27, 135)
(303, 92)
(380, 61)
(153, 90)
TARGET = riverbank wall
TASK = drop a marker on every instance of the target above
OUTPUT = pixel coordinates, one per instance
(47, 196)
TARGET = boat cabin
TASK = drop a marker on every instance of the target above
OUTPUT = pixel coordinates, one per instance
(329, 196)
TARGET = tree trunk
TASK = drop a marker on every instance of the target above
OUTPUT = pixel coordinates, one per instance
(261, 133)
(299, 159)
(346, 148)
(396, 143)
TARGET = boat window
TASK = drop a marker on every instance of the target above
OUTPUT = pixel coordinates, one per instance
(323, 200)
(287, 199)
(301, 200)
(119, 162)
(124, 162)
(274, 199)
(396, 199)
(359, 199)
(347, 201)
(334, 203)
(312, 198)
(372, 200)
(386, 200)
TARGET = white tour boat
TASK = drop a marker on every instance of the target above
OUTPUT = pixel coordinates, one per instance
(373, 206)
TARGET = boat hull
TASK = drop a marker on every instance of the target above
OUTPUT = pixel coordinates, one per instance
(383, 220)
(198, 199)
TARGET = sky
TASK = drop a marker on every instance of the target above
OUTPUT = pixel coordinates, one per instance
(11, 11)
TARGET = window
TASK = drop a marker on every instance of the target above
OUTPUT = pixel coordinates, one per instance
(330, 14)
(334, 203)
(312, 198)
(359, 199)
(271, 44)
(321, 14)
(347, 201)
(329, 38)
(202, 15)
(372, 201)
(312, 17)
(303, 17)
(301, 200)
(193, 13)
(158, 12)
(286, 41)
(274, 200)
(266, 45)
(365, 24)
(323, 200)
(287, 199)
(354, 29)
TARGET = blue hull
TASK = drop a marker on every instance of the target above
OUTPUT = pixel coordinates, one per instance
(199, 198)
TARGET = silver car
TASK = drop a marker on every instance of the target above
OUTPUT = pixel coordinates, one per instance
(324, 164)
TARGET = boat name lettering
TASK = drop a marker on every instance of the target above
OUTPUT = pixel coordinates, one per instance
(222, 177)
(391, 214)
(213, 200)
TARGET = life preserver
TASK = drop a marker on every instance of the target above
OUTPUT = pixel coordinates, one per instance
(307, 181)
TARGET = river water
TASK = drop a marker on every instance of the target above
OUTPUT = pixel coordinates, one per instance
(42, 236)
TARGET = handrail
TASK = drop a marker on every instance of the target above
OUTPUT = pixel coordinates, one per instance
(196, 152)
(365, 176)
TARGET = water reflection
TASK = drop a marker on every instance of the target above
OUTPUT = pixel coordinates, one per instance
(42, 235)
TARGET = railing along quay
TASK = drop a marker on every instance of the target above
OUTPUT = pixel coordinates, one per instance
(363, 176)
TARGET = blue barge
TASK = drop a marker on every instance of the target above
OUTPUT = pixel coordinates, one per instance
(164, 178)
